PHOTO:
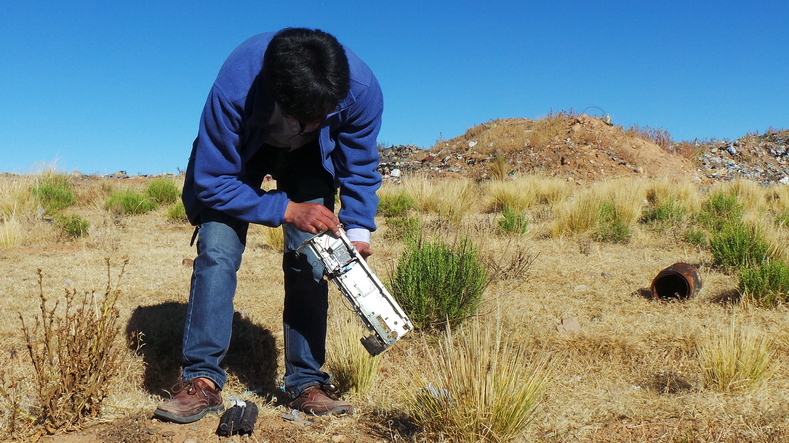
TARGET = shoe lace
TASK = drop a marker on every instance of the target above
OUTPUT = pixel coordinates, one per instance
(187, 385)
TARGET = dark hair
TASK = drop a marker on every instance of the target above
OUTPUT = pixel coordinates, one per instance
(306, 72)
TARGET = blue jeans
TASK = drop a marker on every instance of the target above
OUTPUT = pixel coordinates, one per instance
(220, 245)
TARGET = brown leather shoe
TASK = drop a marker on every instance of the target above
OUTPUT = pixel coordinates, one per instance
(193, 400)
(315, 400)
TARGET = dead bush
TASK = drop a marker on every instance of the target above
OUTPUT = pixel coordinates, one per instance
(74, 351)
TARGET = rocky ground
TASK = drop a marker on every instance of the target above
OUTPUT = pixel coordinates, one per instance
(585, 148)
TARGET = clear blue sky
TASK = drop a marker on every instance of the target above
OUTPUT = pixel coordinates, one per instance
(103, 86)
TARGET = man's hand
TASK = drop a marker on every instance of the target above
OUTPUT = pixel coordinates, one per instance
(312, 217)
(363, 248)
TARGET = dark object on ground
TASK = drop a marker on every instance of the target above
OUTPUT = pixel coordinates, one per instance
(240, 419)
(680, 281)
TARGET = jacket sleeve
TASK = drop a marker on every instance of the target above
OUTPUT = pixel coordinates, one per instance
(356, 159)
(219, 167)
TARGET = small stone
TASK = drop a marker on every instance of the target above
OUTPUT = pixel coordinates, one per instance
(580, 288)
(339, 438)
(569, 325)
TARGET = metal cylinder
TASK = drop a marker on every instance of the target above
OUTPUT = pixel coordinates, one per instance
(679, 281)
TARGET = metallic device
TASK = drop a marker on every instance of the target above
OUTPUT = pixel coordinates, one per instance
(377, 309)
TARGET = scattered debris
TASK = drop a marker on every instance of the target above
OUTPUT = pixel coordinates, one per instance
(297, 417)
(762, 158)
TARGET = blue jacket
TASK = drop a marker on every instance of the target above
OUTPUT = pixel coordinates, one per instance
(233, 128)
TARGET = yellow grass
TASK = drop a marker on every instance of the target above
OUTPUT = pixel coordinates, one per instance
(778, 198)
(16, 196)
(20, 211)
(273, 238)
(752, 195)
(517, 194)
(581, 213)
(662, 191)
(737, 358)
(351, 365)
(524, 191)
(11, 231)
(478, 387)
(627, 195)
(450, 199)
(578, 214)
(632, 372)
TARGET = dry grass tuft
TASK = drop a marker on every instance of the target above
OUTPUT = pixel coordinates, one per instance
(450, 199)
(11, 231)
(551, 129)
(352, 367)
(577, 215)
(752, 195)
(619, 201)
(16, 195)
(273, 238)
(478, 387)
(739, 358)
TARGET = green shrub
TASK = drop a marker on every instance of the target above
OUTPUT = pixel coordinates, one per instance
(55, 192)
(719, 210)
(615, 231)
(513, 222)
(403, 228)
(767, 284)
(163, 191)
(396, 205)
(72, 226)
(782, 219)
(669, 211)
(611, 227)
(129, 202)
(738, 245)
(177, 212)
(696, 237)
(436, 283)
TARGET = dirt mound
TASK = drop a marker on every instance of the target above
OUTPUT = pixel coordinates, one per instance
(585, 148)
(580, 147)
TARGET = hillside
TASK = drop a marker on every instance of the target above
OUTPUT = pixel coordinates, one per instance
(585, 148)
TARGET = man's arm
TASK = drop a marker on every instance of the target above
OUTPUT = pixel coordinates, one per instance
(356, 161)
(219, 167)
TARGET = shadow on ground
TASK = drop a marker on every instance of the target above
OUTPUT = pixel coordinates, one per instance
(155, 332)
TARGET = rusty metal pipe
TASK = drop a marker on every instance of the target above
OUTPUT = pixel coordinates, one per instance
(679, 281)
